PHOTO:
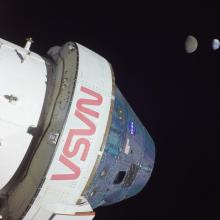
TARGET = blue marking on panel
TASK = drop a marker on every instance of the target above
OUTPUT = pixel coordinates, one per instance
(132, 127)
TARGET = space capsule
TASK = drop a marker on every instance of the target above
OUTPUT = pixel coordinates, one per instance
(69, 141)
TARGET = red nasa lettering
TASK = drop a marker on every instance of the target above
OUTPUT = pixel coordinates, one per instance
(82, 142)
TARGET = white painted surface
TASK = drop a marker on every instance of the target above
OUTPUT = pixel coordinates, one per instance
(70, 217)
(60, 196)
(25, 84)
(127, 147)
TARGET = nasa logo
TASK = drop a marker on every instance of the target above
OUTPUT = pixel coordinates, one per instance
(132, 128)
(81, 135)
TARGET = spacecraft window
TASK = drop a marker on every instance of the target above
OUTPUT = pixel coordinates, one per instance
(131, 175)
(119, 177)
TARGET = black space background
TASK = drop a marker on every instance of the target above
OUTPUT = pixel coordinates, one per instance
(176, 95)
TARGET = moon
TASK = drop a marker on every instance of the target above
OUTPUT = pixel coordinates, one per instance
(191, 44)
(215, 44)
